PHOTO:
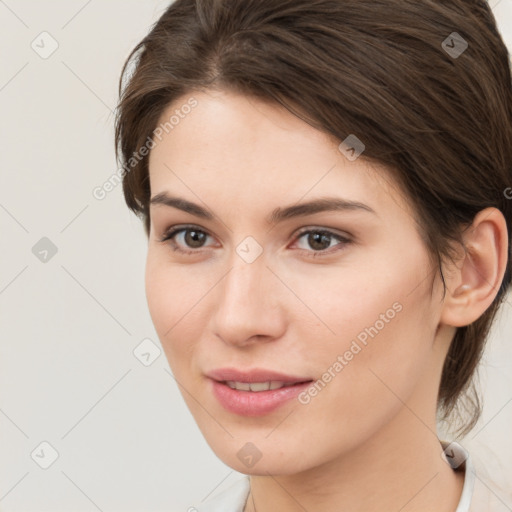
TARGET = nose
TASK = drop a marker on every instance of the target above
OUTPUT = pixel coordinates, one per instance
(248, 304)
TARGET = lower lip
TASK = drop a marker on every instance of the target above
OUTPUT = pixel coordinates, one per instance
(255, 403)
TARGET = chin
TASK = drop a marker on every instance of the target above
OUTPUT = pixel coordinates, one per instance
(260, 458)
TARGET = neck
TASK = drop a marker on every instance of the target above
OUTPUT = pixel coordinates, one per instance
(400, 468)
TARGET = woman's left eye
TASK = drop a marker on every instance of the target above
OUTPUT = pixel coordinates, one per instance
(320, 240)
(193, 238)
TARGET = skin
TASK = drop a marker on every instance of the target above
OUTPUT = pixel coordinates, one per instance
(368, 439)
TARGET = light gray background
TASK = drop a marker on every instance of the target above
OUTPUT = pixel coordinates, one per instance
(69, 326)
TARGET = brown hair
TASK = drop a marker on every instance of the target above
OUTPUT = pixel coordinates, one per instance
(379, 69)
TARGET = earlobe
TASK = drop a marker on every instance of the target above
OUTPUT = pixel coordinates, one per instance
(474, 284)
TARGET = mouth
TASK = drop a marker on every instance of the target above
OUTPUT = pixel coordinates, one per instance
(258, 387)
(255, 393)
(255, 376)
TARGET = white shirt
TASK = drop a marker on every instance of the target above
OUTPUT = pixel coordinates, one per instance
(476, 495)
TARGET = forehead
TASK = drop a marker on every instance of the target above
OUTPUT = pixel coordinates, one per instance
(246, 152)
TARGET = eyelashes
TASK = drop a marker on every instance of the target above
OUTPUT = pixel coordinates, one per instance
(171, 234)
(314, 236)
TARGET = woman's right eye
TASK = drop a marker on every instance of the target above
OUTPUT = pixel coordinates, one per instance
(190, 236)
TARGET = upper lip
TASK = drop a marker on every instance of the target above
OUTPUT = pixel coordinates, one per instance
(254, 375)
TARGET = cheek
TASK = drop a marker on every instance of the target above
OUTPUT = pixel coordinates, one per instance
(160, 295)
(382, 348)
(375, 314)
(173, 298)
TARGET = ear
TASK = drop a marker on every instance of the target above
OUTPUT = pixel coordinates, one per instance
(476, 279)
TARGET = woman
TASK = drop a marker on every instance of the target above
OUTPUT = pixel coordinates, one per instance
(324, 189)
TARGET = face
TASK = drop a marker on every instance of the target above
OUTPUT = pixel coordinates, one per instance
(340, 297)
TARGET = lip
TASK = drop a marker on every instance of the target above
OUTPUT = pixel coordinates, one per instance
(254, 375)
(254, 403)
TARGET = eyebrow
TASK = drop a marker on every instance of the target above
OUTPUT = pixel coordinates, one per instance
(323, 204)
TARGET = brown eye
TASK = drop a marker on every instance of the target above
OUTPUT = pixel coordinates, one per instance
(185, 237)
(193, 238)
(320, 241)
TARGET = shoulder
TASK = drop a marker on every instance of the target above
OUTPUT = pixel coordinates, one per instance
(231, 499)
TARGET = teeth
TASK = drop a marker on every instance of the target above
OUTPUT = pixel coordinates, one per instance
(257, 386)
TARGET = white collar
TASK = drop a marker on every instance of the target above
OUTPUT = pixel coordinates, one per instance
(459, 460)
